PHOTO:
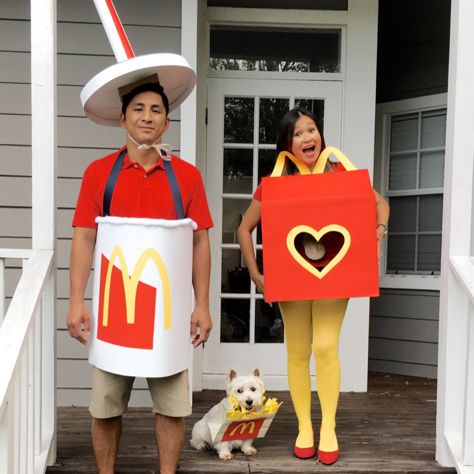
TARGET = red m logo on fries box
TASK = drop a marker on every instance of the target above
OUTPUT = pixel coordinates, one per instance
(319, 238)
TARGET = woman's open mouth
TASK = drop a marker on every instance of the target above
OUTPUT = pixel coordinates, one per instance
(309, 150)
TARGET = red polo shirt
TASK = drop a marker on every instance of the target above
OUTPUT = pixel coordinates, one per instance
(140, 193)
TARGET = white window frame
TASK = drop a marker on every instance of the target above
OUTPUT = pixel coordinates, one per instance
(383, 116)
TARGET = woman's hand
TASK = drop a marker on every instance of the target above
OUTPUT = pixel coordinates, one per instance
(257, 278)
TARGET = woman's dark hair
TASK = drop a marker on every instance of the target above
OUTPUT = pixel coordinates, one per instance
(286, 129)
(147, 87)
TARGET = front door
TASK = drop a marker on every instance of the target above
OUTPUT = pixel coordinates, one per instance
(243, 115)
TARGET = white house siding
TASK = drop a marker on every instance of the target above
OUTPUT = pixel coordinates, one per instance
(83, 51)
(413, 55)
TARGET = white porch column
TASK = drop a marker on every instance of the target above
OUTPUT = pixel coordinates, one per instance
(189, 41)
(43, 118)
(188, 133)
(455, 418)
(43, 155)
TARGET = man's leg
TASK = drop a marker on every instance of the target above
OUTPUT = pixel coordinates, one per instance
(171, 404)
(105, 439)
(109, 400)
(169, 433)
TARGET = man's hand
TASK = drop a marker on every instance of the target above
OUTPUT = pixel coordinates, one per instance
(200, 319)
(79, 322)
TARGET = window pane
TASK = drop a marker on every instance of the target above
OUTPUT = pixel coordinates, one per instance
(429, 253)
(433, 129)
(404, 133)
(401, 253)
(402, 172)
(432, 169)
(403, 214)
(431, 213)
(260, 261)
(234, 277)
(266, 162)
(271, 112)
(238, 170)
(235, 317)
(232, 213)
(316, 106)
(241, 48)
(238, 119)
(268, 322)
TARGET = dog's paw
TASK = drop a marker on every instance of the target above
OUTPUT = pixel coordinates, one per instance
(249, 450)
(226, 455)
(198, 445)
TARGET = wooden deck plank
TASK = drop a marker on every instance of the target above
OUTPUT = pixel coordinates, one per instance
(391, 429)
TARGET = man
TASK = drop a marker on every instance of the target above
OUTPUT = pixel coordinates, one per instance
(142, 190)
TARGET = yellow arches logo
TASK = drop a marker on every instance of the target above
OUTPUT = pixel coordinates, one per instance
(243, 428)
(130, 283)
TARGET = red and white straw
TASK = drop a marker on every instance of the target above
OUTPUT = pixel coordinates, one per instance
(113, 28)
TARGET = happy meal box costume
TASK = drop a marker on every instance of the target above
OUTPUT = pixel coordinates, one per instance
(142, 299)
(317, 231)
(319, 239)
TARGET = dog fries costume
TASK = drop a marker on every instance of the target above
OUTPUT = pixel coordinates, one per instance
(142, 299)
(319, 249)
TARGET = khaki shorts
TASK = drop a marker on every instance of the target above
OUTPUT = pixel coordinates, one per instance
(111, 393)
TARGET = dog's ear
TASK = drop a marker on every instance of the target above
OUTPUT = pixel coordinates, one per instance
(256, 372)
(232, 374)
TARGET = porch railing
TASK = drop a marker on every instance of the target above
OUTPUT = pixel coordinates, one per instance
(27, 360)
(461, 442)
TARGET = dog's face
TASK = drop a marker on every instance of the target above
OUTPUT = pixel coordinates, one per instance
(248, 389)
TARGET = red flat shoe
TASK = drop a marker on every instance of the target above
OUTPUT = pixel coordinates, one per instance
(304, 453)
(328, 458)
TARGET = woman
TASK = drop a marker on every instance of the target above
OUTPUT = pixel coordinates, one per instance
(314, 325)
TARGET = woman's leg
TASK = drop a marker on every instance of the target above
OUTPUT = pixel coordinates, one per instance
(297, 320)
(328, 316)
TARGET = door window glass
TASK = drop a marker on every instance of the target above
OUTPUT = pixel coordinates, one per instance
(242, 48)
(238, 119)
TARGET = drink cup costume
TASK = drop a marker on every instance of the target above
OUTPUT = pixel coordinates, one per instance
(142, 300)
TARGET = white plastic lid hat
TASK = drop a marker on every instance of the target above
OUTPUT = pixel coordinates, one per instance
(101, 99)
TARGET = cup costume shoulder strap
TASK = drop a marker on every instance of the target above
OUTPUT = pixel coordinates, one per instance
(111, 182)
(170, 174)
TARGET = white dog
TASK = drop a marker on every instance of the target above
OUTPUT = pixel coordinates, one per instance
(248, 390)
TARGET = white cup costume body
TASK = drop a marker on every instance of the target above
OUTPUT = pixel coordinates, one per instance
(138, 263)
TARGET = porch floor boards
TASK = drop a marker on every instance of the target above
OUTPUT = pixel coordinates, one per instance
(391, 428)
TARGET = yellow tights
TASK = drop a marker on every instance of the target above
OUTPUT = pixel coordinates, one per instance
(314, 326)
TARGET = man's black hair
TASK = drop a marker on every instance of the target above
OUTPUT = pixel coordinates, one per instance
(147, 87)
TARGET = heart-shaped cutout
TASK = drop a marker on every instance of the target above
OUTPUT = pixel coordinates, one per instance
(301, 231)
